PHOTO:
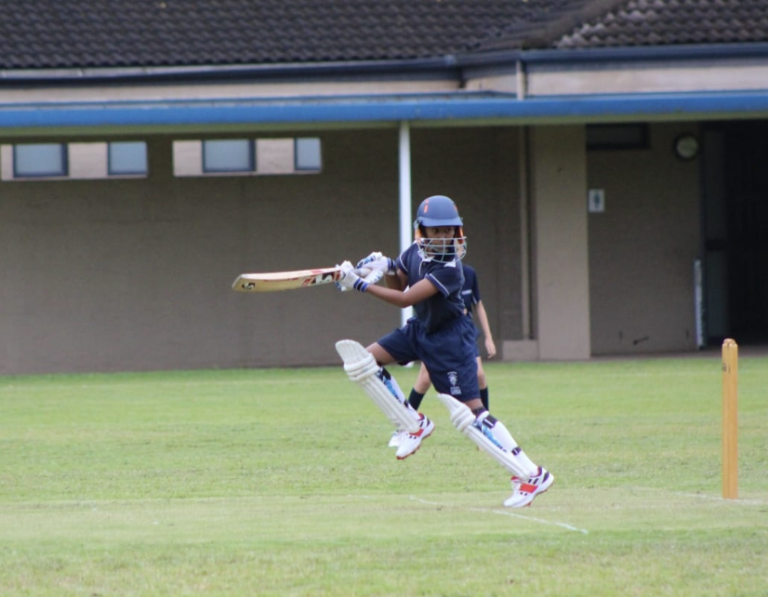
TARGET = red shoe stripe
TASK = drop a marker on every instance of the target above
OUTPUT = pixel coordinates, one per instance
(527, 488)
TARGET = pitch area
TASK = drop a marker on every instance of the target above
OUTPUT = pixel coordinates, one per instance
(280, 482)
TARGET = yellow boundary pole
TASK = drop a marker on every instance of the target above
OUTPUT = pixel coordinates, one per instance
(730, 419)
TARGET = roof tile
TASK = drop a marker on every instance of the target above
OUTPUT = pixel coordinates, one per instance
(171, 32)
(672, 22)
(146, 33)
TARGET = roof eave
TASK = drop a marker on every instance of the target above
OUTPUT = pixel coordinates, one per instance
(443, 66)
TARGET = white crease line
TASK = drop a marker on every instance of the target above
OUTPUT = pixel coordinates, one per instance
(712, 498)
(139, 383)
(512, 514)
(721, 499)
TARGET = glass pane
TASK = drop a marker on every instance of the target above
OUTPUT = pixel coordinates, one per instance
(40, 159)
(308, 156)
(234, 155)
(128, 157)
(617, 136)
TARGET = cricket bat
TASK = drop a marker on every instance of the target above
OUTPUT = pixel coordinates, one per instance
(271, 282)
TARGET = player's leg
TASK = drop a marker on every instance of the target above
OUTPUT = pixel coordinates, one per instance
(394, 387)
(493, 437)
(458, 390)
(414, 399)
(362, 367)
(420, 387)
(482, 382)
(394, 347)
(407, 438)
(402, 346)
(528, 479)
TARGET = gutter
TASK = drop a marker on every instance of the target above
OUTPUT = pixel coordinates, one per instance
(448, 66)
(376, 69)
(644, 53)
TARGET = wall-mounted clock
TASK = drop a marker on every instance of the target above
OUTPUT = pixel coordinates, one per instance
(686, 147)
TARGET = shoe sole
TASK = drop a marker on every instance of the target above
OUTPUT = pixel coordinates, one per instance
(417, 447)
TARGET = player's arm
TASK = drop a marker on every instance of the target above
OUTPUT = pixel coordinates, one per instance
(397, 294)
(396, 281)
(420, 291)
(482, 319)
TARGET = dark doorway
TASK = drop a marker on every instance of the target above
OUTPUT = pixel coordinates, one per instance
(740, 241)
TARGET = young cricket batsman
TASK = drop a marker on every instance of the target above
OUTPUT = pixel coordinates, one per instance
(428, 276)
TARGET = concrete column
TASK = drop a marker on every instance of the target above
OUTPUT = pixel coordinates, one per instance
(559, 252)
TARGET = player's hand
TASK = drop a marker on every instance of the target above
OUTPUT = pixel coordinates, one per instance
(490, 347)
(377, 261)
(366, 260)
(369, 275)
(350, 280)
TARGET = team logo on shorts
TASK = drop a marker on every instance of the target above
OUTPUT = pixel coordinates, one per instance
(453, 379)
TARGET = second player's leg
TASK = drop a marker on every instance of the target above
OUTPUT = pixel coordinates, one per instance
(482, 382)
(420, 387)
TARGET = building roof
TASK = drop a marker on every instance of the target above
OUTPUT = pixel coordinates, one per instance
(52, 52)
(70, 34)
(109, 33)
(671, 23)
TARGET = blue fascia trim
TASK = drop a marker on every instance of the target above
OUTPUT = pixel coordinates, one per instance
(455, 106)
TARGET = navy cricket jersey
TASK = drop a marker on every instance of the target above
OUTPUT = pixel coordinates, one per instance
(447, 277)
(470, 293)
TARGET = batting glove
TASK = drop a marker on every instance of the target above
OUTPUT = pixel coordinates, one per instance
(350, 280)
(377, 261)
(370, 259)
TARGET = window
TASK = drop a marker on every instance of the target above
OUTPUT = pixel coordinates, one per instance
(617, 136)
(235, 155)
(307, 154)
(247, 157)
(127, 158)
(39, 160)
(73, 161)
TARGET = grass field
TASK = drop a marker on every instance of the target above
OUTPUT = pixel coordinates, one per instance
(279, 482)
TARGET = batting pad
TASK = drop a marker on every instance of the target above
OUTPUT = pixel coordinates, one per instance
(463, 419)
(361, 368)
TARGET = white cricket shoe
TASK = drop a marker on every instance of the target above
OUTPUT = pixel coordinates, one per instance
(523, 492)
(394, 441)
(410, 442)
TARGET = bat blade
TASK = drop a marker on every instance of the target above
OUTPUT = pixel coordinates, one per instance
(275, 281)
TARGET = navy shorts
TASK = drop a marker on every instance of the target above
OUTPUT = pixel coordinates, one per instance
(449, 354)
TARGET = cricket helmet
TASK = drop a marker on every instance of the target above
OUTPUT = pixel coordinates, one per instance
(435, 212)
